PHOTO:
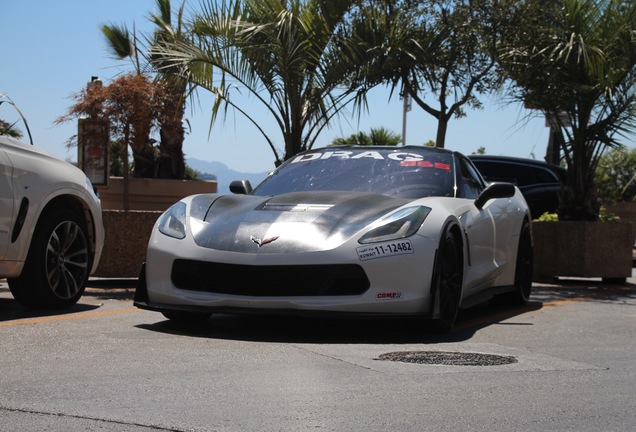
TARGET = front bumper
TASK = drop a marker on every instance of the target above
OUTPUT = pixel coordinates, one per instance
(394, 286)
(142, 301)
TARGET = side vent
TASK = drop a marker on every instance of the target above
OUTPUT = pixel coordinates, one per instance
(19, 222)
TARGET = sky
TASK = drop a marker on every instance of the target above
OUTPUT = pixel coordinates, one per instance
(51, 49)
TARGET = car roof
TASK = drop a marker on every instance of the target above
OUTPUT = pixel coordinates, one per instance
(497, 158)
(513, 159)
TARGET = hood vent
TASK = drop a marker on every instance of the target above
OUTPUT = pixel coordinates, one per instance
(294, 207)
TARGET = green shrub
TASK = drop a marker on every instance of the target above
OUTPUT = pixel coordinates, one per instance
(616, 176)
(548, 217)
(603, 216)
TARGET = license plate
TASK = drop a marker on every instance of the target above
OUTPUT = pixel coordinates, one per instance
(383, 250)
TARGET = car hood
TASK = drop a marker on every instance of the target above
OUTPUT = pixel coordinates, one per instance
(289, 223)
(34, 165)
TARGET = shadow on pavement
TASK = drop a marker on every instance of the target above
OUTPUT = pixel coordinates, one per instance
(11, 310)
(293, 329)
(584, 290)
(111, 289)
(337, 330)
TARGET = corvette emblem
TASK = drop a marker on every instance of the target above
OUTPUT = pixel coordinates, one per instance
(263, 242)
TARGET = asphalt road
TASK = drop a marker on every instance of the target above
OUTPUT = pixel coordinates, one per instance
(570, 365)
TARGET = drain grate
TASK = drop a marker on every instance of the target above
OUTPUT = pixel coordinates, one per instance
(448, 358)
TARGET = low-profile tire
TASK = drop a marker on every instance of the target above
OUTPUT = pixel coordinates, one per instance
(523, 269)
(446, 284)
(58, 262)
(186, 317)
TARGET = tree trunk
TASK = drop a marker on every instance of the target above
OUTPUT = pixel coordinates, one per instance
(171, 164)
(442, 127)
(293, 141)
(143, 154)
(578, 196)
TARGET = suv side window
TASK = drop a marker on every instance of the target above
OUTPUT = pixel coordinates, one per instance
(535, 175)
(521, 175)
(470, 182)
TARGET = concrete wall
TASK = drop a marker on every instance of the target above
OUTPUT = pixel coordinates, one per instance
(127, 235)
(582, 249)
(625, 210)
(150, 194)
(127, 232)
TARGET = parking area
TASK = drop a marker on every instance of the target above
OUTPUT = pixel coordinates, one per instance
(564, 362)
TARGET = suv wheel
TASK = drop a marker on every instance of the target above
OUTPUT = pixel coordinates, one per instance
(58, 263)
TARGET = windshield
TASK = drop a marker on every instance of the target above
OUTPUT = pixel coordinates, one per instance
(405, 172)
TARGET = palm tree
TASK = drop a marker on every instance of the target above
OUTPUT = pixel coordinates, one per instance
(9, 129)
(171, 131)
(286, 54)
(377, 137)
(125, 44)
(575, 61)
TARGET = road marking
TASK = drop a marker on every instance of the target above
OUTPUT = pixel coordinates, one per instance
(564, 302)
(65, 317)
(547, 304)
(469, 323)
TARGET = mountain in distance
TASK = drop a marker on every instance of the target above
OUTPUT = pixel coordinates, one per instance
(220, 172)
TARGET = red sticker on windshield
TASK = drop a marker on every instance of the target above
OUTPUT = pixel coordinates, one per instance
(425, 164)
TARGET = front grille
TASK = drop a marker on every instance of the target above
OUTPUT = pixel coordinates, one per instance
(270, 280)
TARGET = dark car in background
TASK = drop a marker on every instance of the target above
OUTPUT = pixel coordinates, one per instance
(538, 181)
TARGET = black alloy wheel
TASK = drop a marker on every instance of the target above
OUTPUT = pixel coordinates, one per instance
(447, 283)
(524, 267)
(58, 263)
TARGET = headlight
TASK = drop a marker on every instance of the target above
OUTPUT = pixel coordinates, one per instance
(172, 222)
(400, 224)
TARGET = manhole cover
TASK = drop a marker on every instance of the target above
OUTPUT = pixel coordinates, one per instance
(448, 358)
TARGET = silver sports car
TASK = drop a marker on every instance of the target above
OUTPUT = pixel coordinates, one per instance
(383, 231)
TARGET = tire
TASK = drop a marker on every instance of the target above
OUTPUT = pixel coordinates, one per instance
(58, 263)
(447, 283)
(523, 269)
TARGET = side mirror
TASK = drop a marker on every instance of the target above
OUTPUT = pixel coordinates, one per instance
(494, 191)
(241, 187)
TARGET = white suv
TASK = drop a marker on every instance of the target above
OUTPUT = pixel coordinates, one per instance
(51, 231)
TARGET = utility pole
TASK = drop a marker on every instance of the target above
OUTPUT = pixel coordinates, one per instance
(406, 108)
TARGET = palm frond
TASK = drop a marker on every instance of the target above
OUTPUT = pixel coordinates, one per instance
(286, 54)
(120, 44)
